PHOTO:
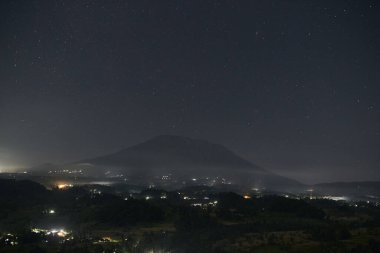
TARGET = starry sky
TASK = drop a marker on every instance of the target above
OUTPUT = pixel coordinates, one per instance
(291, 85)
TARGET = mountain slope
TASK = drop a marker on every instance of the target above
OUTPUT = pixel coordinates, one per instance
(186, 157)
(174, 152)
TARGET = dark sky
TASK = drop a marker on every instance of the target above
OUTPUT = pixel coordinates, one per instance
(292, 85)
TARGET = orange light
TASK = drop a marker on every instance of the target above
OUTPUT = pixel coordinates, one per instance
(247, 197)
(63, 186)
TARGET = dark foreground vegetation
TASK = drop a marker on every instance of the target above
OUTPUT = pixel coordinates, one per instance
(95, 219)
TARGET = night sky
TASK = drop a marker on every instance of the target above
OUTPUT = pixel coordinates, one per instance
(291, 85)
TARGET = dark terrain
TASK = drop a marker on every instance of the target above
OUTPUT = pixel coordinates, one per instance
(196, 219)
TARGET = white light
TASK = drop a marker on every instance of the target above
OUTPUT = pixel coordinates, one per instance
(51, 211)
(335, 198)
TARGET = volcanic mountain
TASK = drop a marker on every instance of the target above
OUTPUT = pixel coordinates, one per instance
(185, 157)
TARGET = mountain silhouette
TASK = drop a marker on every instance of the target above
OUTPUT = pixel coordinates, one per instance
(186, 157)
